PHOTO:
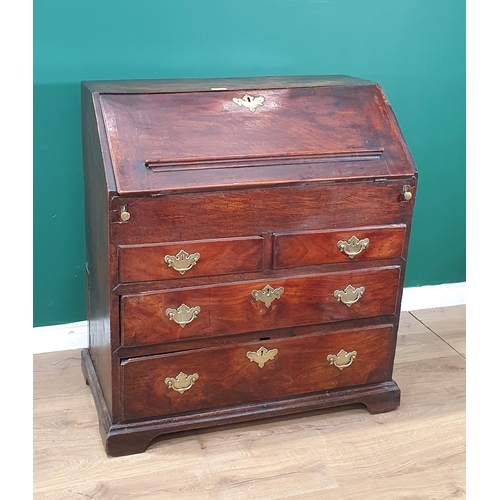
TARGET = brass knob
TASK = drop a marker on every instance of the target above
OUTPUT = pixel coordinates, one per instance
(124, 215)
(407, 193)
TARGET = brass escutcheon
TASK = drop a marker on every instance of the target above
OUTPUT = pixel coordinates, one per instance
(268, 294)
(350, 295)
(342, 359)
(182, 382)
(353, 246)
(262, 356)
(249, 102)
(183, 314)
(183, 261)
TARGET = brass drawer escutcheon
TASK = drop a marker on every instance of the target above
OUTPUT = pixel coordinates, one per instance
(182, 382)
(262, 356)
(183, 261)
(183, 314)
(353, 246)
(342, 359)
(350, 295)
(268, 294)
(249, 102)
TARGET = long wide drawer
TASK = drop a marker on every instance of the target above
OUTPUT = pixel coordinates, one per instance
(256, 371)
(227, 309)
(243, 212)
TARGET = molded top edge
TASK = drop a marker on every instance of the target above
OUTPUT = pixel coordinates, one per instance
(211, 84)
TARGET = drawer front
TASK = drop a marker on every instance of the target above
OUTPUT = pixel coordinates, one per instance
(242, 212)
(219, 377)
(190, 259)
(228, 309)
(325, 247)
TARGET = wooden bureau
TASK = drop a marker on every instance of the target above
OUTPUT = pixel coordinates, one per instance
(246, 250)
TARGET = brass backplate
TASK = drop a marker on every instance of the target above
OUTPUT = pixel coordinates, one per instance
(262, 356)
(183, 261)
(182, 382)
(353, 246)
(342, 359)
(183, 314)
(349, 295)
(249, 102)
(268, 294)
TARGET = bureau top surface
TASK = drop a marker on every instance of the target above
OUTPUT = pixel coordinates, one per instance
(177, 135)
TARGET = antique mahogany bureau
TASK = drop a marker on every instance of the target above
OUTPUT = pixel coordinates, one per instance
(246, 250)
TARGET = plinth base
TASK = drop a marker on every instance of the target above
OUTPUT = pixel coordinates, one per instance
(134, 437)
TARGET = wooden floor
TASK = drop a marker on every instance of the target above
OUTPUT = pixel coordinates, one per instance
(414, 452)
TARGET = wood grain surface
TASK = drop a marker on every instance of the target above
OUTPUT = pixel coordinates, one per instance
(215, 257)
(230, 309)
(414, 452)
(209, 137)
(228, 214)
(321, 247)
(226, 376)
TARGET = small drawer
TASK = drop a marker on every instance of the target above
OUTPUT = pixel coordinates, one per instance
(228, 309)
(325, 247)
(210, 378)
(190, 258)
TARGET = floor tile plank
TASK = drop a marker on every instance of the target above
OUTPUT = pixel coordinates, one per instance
(447, 322)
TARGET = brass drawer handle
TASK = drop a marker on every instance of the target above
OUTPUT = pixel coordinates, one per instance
(183, 261)
(262, 356)
(342, 359)
(353, 246)
(183, 314)
(268, 294)
(249, 102)
(350, 295)
(182, 382)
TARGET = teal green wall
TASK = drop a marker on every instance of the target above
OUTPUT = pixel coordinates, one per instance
(414, 49)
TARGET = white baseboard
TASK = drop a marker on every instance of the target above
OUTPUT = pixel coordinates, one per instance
(430, 297)
(60, 337)
(75, 336)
